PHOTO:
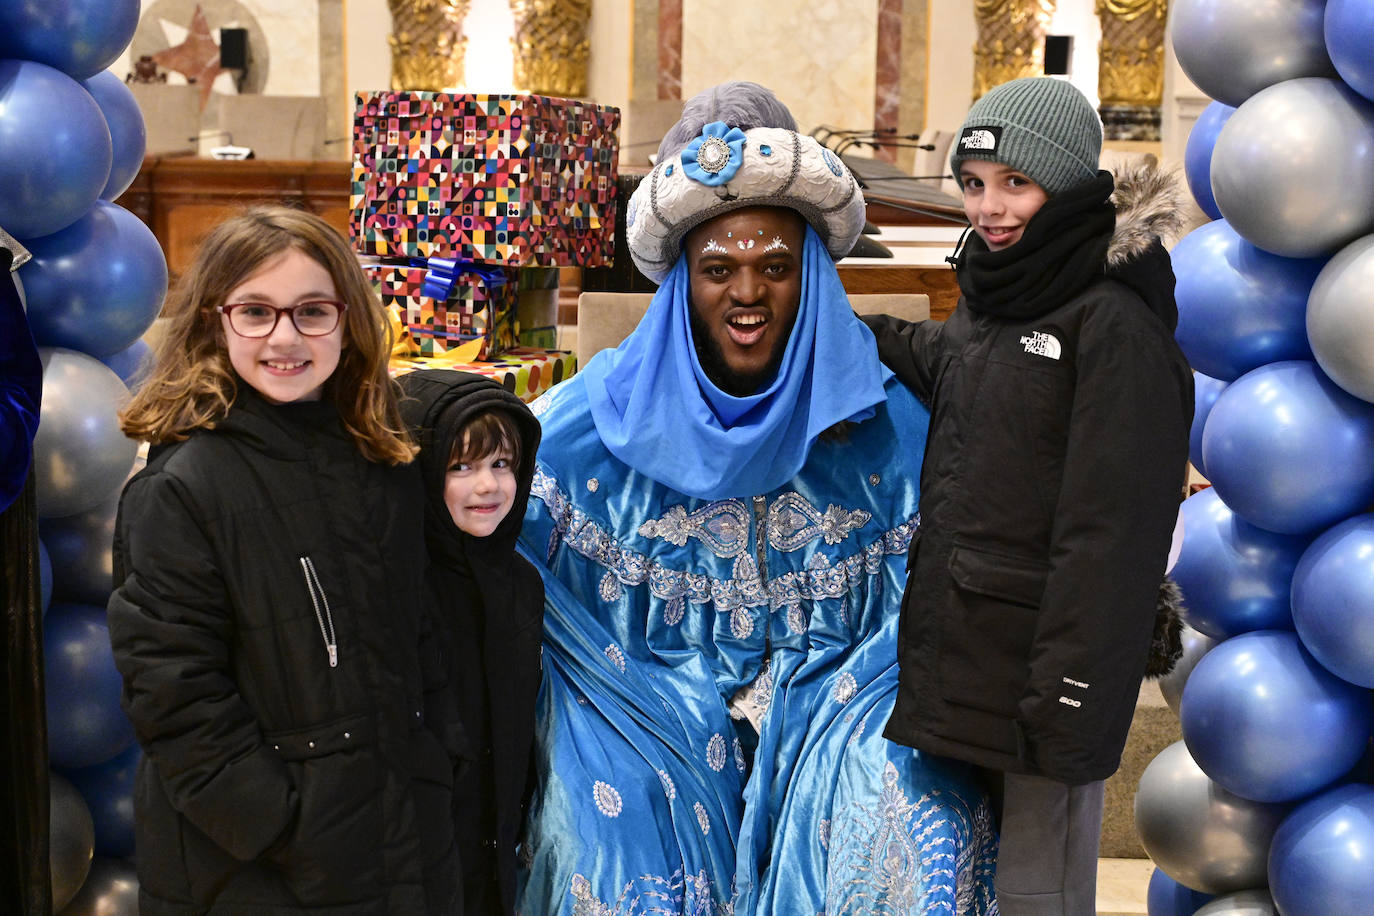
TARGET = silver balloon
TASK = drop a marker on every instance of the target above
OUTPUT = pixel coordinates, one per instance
(80, 456)
(1234, 48)
(81, 549)
(1198, 833)
(111, 890)
(1293, 168)
(1340, 322)
(1243, 903)
(71, 839)
(1195, 645)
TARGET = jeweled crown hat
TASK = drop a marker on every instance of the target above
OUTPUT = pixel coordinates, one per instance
(741, 150)
(1041, 126)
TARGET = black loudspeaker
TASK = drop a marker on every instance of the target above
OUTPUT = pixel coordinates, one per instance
(233, 49)
(1058, 52)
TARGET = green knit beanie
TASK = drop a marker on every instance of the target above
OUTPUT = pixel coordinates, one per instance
(1040, 126)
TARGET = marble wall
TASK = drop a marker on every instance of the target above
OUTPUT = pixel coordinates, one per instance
(818, 56)
(295, 49)
(831, 60)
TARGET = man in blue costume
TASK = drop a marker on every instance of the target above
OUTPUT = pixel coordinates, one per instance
(721, 511)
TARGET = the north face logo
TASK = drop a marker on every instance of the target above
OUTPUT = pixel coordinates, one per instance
(981, 139)
(1042, 344)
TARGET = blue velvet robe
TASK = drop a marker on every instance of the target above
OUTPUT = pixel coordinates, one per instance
(671, 623)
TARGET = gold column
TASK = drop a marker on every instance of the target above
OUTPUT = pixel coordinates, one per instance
(427, 43)
(551, 46)
(1011, 41)
(1130, 72)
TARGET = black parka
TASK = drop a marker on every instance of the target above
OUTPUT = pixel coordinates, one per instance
(1050, 487)
(490, 612)
(268, 624)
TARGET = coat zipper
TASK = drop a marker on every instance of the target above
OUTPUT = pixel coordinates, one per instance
(326, 619)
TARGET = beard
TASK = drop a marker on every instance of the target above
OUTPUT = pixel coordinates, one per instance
(732, 382)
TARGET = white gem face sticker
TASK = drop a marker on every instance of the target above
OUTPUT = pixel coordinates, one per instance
(713, 247)
(776, 245)
(745, 244)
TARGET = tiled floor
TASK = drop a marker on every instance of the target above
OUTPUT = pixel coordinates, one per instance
(1122, 886)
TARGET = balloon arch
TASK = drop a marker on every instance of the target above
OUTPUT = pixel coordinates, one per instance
(72, 140)
(1266, 805)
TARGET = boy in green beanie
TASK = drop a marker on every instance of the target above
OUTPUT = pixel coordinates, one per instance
(1060, 408)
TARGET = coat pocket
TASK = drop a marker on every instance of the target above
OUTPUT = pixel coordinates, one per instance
(332, 855)
(989, 626)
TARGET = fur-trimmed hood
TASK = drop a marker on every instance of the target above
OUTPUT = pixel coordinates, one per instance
(1149, 213)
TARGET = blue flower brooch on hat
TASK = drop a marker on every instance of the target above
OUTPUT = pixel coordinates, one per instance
(726, 169)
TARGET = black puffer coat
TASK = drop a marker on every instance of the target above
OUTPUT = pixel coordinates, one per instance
(1060, 408)
(268, 624)
(490, 604)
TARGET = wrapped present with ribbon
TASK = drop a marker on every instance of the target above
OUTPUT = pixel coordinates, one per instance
(444, 305)
(526, 372)
(511, 179)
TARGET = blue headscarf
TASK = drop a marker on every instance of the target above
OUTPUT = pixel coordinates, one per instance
(656, 410)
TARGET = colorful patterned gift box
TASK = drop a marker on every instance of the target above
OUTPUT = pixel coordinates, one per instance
(520, 180)
(438, 316)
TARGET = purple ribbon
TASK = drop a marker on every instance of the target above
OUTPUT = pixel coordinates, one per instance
(442, 273)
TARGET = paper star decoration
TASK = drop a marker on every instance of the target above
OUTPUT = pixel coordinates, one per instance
(196, 58)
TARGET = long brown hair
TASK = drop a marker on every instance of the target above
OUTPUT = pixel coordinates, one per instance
(191, 383)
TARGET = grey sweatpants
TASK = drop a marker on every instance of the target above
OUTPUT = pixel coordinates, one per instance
(1047, 860)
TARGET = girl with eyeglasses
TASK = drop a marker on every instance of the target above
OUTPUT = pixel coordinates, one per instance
(268, 617)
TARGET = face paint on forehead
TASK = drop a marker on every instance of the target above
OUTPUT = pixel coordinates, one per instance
(713, 247)
(776, 245)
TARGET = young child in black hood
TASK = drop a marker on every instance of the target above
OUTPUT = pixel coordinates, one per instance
(1060, 407)
(477, 448)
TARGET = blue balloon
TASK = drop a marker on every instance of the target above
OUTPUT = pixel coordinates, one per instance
(128, 134)
(97, 285)
(78, 37)
(1333, 600)
(1235, 577)
(1239, 307)
(82, 551)
(55, 150)
(1288, 450)
(1319, 862)
(109, 793)
(1205, 392)
(130, 362)
(45, 575)
(1264, 720)
(1166, 897)
(1197, 155)
(86, 725)
(1349, 29)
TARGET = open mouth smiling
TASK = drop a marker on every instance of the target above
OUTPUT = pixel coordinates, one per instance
(746, 328)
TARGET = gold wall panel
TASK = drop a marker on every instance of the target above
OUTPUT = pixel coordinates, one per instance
(427, 43)
(551, 46)
(1011, 41)
(1131, 56)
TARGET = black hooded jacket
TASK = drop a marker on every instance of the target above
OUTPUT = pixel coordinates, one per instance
(1060, 408)
(268, 620)
(490, 614)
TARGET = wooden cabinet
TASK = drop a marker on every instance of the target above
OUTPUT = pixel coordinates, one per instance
(183, 197)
